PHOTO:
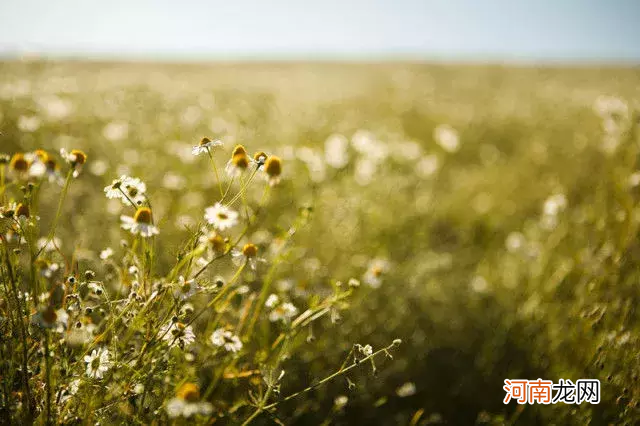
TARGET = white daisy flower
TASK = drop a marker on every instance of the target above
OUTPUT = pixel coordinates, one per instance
(205, 145)
(226, 339)
(248, 254)
(375, 272)
(283, 312)
(177, 334)
(141, 223)
(106, 253)
(75, 158)
(98, 363)
(127, 188)
(186, 288)
(272, 301)
(186, 403)
(221, 217)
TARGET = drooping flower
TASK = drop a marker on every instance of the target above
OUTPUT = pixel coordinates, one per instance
(239, 162)
(75, 158)
(273, 169)
(248, 254)
(141, 223)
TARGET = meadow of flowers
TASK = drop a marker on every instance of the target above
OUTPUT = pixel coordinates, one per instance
(316, 243)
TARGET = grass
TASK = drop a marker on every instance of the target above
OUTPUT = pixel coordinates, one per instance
(512, 254)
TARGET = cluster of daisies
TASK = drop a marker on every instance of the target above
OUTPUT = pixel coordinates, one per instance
(40, 164)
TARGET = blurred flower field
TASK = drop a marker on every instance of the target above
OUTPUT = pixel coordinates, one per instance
(316, 243)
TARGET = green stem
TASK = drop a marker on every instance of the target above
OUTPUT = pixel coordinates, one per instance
(215, 170)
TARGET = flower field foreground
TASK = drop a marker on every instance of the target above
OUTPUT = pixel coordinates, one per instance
(316, 243)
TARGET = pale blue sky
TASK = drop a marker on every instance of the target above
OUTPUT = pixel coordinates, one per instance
(594, 30)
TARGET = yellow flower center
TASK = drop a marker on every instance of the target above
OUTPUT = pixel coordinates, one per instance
(205, 141)
(239, 149)
(377, 271)
(41, 154)
(19, 163)
(217, 243)
(240, 160)
(80, 157)
(250, 250)
(273, 166)
(189, 392)
(143, 215)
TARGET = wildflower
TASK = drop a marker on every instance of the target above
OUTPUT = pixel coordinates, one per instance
(52, 171)
(249, 254)
(283, 312)
(127, 189)
(106, 253)
(186, 403)
(376, 270)
(213, 241)
(19, 166)
(273, 169)
(204, 146)
(407, 389)
(98, 363)
(186, 288)
(177, 334)
(447, 137)
(75, 158)
(51, 318)
(49, 245)
(221, 217)
(272, 301)
(259, 158)
(239, 161)
(141, 223)
(226, 339)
